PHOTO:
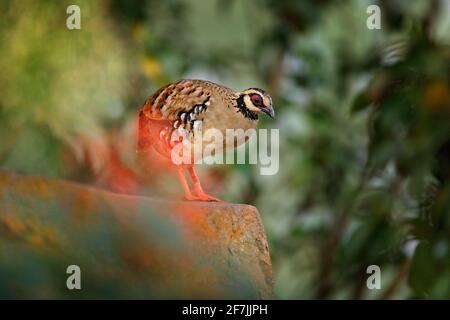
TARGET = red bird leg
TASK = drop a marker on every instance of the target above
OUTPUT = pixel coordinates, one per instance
(187, 192)
(198, 190)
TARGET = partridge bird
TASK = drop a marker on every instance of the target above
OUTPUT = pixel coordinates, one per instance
(193, 105)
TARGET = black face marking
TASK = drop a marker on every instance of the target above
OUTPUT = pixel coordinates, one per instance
(242, 108)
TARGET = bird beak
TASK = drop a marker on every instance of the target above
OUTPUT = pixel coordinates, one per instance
(269, 111)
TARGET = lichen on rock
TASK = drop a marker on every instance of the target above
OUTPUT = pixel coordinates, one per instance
(126, 246)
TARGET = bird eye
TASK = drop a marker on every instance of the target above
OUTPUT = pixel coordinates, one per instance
(256, 99)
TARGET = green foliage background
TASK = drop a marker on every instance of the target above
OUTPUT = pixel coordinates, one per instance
(363, 116)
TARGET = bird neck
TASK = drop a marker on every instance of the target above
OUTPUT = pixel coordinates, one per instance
(242, 108)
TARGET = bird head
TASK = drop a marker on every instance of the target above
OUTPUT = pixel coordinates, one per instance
(256, 101)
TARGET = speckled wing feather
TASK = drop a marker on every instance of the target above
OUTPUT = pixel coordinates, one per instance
(169, 102)
(182, 104)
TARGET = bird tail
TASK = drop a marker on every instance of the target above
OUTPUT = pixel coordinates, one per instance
(144, 136)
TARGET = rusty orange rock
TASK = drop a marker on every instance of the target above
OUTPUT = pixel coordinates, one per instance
(127, 246)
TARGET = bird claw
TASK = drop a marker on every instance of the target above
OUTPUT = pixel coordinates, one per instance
(202, 197)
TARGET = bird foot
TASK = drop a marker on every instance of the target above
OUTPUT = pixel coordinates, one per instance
(202, 197)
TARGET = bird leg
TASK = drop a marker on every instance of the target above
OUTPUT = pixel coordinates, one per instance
(187, 192)
(198, 190)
